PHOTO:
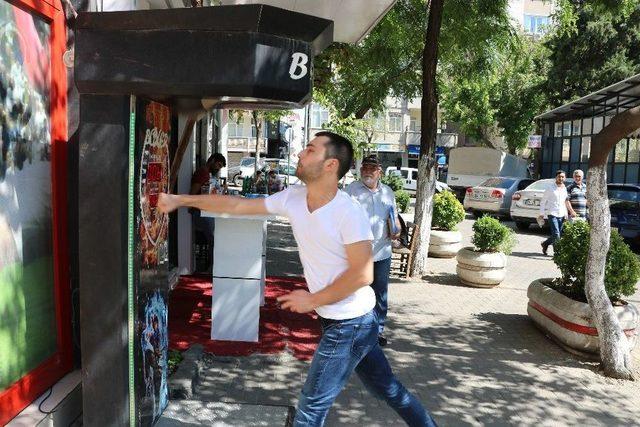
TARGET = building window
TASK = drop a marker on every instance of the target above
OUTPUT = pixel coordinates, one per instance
(378, 122)
(395, 122)
(413, 125)
(536, 24)
(319, 116)
(235, 127)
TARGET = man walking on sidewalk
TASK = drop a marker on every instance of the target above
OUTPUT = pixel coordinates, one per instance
(554, 206)
(334, 239)
(379, 202)
(577, 196)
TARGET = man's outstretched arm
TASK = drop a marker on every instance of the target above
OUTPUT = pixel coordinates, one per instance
(212, 203)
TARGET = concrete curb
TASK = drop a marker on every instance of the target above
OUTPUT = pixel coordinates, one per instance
(183, 382)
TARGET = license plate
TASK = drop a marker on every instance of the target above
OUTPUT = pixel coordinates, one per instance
(530, 202)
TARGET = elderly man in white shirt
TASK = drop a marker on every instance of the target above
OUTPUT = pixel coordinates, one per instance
(553, 207)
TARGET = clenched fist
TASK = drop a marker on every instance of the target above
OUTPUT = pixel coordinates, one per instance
(167, 203)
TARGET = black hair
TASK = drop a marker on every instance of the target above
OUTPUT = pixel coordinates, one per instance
(340, 148)
(559, 171)
(217, 157)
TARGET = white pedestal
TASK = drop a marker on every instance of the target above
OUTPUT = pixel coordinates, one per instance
(239, 271)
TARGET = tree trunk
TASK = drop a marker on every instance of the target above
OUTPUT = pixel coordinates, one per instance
(614, 346)
(256, 117)
(427, 162)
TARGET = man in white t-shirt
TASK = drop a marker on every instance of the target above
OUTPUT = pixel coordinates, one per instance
(334, 239)
(553, 207)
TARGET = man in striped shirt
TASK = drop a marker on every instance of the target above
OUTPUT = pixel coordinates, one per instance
(577, 196)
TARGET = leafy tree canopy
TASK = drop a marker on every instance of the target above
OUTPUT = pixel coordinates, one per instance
(596, 44)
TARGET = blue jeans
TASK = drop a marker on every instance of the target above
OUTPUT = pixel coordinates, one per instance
(555, 223)
(345, 346)
(380, 286)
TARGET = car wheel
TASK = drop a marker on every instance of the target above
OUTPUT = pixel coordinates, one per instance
(237, 180)
(521, 225)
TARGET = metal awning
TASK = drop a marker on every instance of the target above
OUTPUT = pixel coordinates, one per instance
(353, 19)
(605, 102)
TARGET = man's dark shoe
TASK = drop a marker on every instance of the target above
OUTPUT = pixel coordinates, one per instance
(545, 247)
(382, 341)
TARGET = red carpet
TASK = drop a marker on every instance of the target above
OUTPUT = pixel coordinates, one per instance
(190, 321)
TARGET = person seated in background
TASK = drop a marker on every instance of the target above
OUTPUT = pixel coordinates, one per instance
(259, 184)
(274, 183)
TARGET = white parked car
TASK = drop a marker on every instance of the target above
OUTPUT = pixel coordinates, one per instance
(525, 204)
(410, 178)
(493, 196)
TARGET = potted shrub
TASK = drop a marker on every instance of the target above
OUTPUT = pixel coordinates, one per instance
(559, 306)
(447, 214)
(485, 265)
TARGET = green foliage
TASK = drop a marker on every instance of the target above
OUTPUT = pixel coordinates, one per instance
(598, 44)
(622, 268)
(489, 235)
(358, 78)
(448, 212)
(174, 359)
(394, 181)
(518, 96)
(402, 200)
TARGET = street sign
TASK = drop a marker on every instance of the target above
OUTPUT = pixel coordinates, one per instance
(535, 141)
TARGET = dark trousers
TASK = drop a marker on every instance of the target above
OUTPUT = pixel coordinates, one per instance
(555, 223)
(380, 286)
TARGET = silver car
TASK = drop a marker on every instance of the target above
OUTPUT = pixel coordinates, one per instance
(493, 196)
(525, 204)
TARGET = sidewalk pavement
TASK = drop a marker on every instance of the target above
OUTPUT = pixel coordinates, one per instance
(472, 355)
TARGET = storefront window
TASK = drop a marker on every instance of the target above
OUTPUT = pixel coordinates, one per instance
(597, 124)
(586, 149)
(557, 129)
(586, 126)
(576, 128)
(621, 151)
(566, 128)
(565, 150)
(634, 150)
(28, 331)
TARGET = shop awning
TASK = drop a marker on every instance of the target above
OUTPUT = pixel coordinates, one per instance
(605, 102)
(353, 19)
(251, 56)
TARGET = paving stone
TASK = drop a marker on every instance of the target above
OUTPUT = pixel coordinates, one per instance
(472, 355)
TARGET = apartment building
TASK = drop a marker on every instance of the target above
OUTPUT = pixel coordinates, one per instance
(532, 16)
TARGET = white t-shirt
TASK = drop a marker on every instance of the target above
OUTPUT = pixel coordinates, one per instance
(321, 236)
(553, 201)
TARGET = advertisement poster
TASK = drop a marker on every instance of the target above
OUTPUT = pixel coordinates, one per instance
(28, 329)
(153, 136)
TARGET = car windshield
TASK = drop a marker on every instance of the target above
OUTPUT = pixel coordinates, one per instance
(544, 183)
(623, 197)
(498, 183)
(247, 162)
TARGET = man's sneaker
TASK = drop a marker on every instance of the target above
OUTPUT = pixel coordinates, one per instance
(545, 247)
(382, 341)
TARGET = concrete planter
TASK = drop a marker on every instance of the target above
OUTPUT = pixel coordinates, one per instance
(570, 323)
(444, 244)
(481, 269)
